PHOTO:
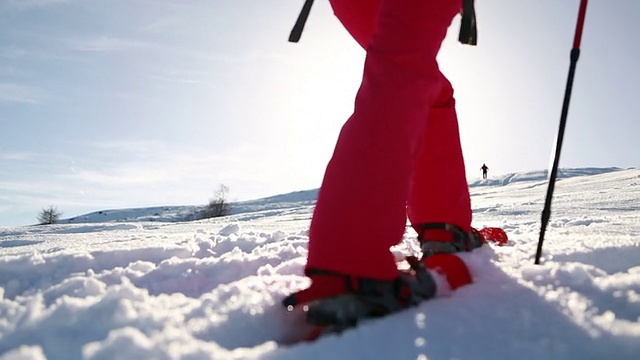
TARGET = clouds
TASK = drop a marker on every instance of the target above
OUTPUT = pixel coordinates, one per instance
(15, 156)
(18, 93)
(14, 72)
(107, 44)
(162, 25)
(72, 182)
(117, 101)
(21, 5)
(131, 103)
(109, 174)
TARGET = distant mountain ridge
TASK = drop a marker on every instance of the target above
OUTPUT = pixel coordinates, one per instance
(293, 199)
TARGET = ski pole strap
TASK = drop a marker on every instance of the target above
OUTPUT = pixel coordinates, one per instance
(468, 31)
(296, 32)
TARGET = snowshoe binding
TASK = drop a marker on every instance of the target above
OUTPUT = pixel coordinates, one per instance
(360, 298)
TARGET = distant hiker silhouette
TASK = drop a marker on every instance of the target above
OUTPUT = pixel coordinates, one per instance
(484, 169)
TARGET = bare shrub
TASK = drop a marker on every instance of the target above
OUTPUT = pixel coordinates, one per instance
(49, 215)
(218, 205)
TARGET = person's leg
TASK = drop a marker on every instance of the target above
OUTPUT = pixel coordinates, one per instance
(439, 189)
(361, 207)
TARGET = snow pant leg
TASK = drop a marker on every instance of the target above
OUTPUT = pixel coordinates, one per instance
(361, 207)
(439, 189)
(359, 17)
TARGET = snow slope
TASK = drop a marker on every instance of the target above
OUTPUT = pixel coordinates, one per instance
(125, 289)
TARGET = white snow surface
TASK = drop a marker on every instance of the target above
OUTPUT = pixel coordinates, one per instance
(211, 289)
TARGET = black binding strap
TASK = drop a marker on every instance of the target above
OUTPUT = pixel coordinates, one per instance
(460, 240)
(296, 32)
(468, 31)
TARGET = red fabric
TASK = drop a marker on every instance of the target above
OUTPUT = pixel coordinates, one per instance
(496, 235)
(438, 235)
(399, 148)
(451, 267)
(322, 286)
(439, 189)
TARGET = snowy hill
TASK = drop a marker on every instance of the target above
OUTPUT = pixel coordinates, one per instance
(186, 213)
(136, 284)
(293, 199)
(541, 175)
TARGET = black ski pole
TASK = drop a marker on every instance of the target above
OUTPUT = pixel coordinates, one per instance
(575, 54)
(296, 32)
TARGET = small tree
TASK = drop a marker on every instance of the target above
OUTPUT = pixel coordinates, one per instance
(218, 205)
(49, 215)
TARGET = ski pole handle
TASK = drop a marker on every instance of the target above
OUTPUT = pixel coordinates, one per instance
(581, 14)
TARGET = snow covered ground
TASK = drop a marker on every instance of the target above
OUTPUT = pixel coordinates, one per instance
(98, 289)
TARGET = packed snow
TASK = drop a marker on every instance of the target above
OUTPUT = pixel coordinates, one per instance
(138, 284)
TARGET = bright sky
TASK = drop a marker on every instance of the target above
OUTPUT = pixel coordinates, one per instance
(124, 103)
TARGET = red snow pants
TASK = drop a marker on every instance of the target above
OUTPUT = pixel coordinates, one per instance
(399, 153)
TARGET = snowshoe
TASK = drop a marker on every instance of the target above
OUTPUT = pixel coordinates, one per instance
(335, 302)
